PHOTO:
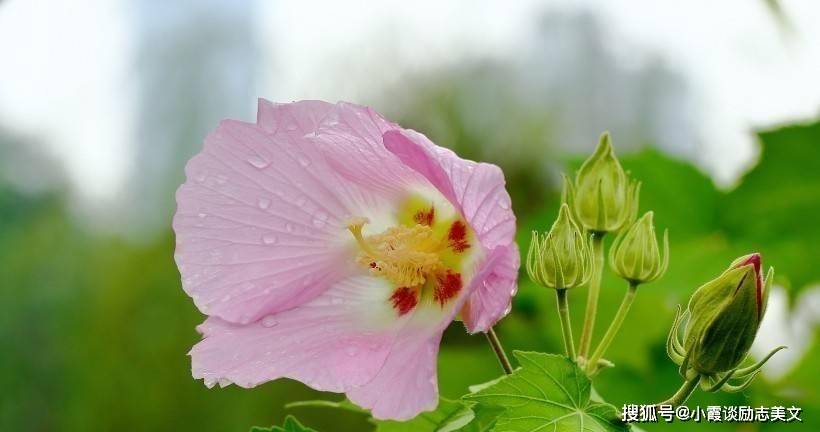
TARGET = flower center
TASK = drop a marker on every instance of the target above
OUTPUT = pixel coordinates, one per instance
(421, 256)
(405, 256)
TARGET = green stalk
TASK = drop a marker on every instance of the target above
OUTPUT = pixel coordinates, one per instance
(592, 295)
(683, 393)
(566, 327)
(499, 351)
(614, 326)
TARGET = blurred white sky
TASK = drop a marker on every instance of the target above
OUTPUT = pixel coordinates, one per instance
(67, 75)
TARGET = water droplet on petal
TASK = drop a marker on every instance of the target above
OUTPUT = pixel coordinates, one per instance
(269, 239)
(504, 204)
(263, 203)
(202, 215)
(289, 227)
(226, 299)
(221, 179)
(319, 219)
(200, 178)
(304, 161)
(269, 321)
(352, 351)
(258, 162)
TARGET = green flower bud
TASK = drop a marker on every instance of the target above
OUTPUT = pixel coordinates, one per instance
(562, 258)
(603, 198)
(725, 316)
(635, 254)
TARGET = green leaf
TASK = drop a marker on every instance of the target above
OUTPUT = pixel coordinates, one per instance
(548, 390)
(449, 416)
(290, 425)
(485, 418)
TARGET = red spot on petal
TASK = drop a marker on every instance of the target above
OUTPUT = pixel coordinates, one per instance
(404, 300)
(448, 285)
(425, 217)
(458, 237)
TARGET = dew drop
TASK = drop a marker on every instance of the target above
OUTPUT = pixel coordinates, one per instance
(269, 321)
(221, 179)
(200, 178)
(319, 219)
(304, 161)
(289, 227)
(352, 351)
(269, 239)
(504, 204)
(202, 215)
(258, 162)
(226, 299)
(263, 203)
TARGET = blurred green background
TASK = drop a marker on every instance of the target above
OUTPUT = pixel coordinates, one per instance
(94, 326)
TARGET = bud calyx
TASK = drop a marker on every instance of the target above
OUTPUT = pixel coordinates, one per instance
(560, 259)
(724, 316)
(603, 197)
(635, 254)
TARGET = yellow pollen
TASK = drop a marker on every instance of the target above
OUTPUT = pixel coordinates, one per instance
(405, 256)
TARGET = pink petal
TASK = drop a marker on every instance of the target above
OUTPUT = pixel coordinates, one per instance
(478, 190)
(491, 297)
(351, 138)
(324, 343)
(407, 384)
(257, 224)
(301, 117)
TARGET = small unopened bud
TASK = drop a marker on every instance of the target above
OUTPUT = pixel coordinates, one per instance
(725, 316)
(635, 254)
(561, 259)
(603, 198)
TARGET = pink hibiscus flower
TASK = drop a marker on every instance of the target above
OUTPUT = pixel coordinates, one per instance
(330, 246)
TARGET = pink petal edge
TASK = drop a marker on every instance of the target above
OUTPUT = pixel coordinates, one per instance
(478, 190)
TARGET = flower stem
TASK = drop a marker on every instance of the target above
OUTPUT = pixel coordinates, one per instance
(683, 393)
(592, 295)
(614, 326)
(499, 351)
(566, 327)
